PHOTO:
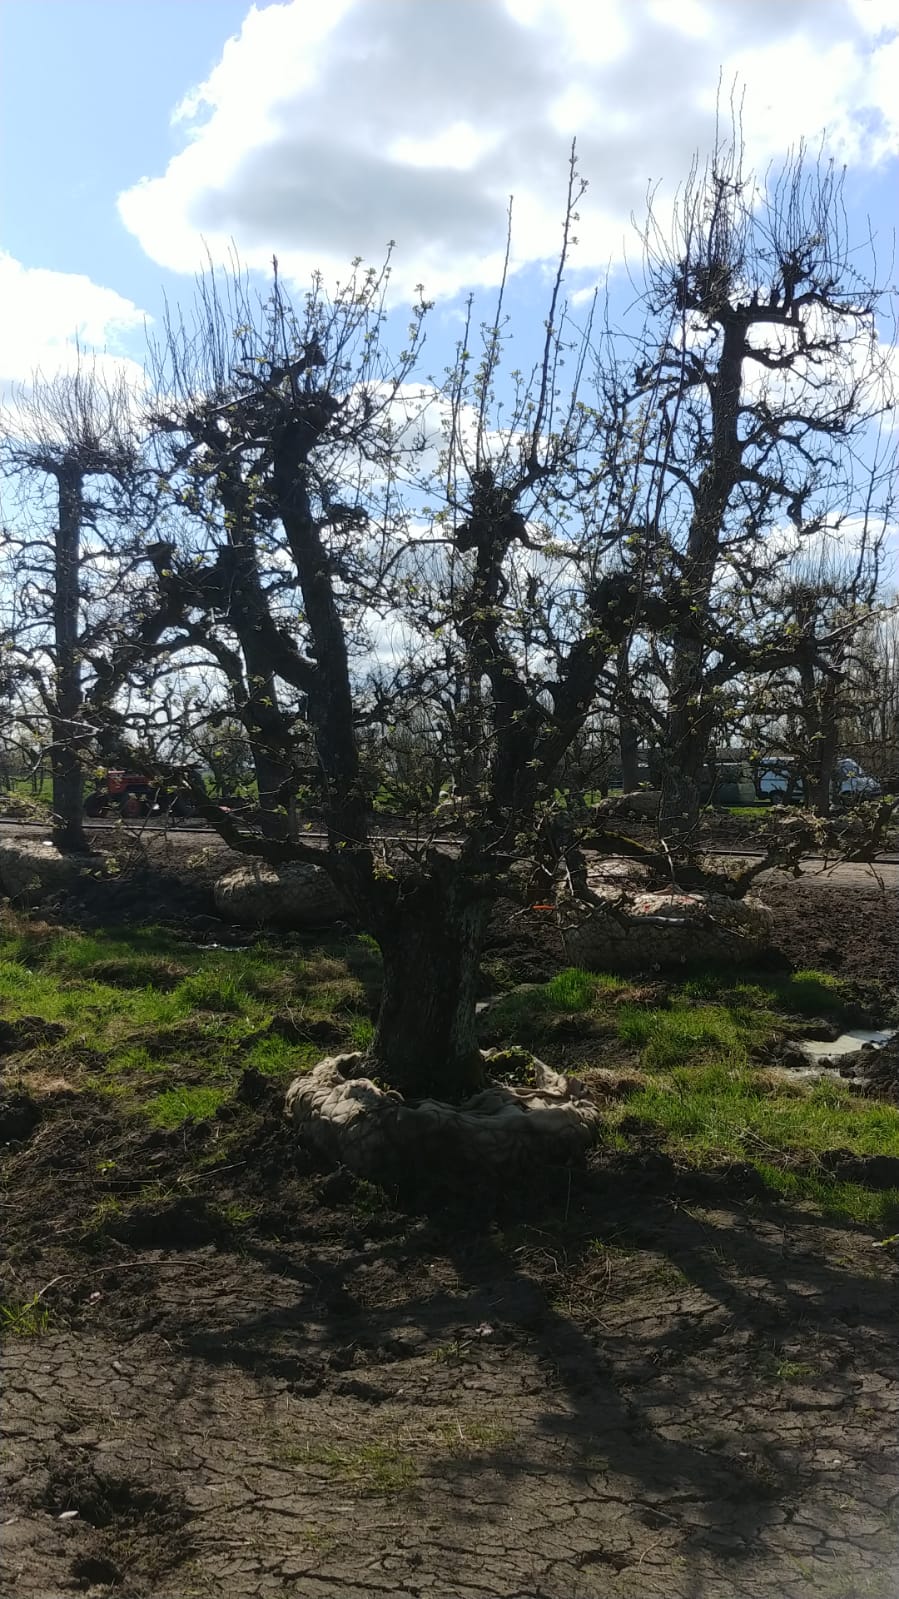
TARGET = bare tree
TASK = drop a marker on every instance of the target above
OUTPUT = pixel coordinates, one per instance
(408, 552)
(68, 554)
(823, 607)
(758, 387)
(869, 719)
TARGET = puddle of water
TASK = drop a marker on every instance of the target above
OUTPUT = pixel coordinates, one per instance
(851, 1043)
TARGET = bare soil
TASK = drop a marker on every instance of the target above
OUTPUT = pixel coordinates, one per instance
(245, 1375)
(265, 1379)
(849, 929)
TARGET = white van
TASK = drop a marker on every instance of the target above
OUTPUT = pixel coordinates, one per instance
(779, 780)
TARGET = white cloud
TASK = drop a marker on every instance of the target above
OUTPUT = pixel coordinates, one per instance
(324, 131)
(47, 317)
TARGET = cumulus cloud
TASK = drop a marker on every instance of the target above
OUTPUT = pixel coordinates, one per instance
(49, 321)
(322, 132)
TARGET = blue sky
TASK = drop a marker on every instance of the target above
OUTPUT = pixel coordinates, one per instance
(321, 128)
(86, 95)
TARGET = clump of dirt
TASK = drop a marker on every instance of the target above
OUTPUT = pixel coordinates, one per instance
(879, 1069)
(102, 1501)
(128, 1532)
(19, 1116)
(28, 1032)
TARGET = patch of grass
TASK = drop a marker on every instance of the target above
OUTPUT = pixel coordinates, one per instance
(27, 1320)
(693, 1033)
(212, 990)
(135, 1007)
(715, 1110)
(233, 1214)
(177, 1105)
(469, 1437)
(277, 1057)
(450, 1354)
(795, 1371)
(717, 1113)
(811, 993)
(379, 1470)
(571, 992)
(805, 993)
(848, 1201)
(106, 1210)
(132, 1061)
(361, 1030)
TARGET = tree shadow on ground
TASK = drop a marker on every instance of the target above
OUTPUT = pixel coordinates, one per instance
(658, 1336)
(632, 1368)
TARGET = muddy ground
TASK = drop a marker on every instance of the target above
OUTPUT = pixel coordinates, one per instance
(258, 1378)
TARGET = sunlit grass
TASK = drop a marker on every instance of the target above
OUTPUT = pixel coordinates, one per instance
(135, 1007)
(177, 1105)
(714, 1114)
(849, 1201)
(717, 1110)
(168, 1027)
(278, 1057)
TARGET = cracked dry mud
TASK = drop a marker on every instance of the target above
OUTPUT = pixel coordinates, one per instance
(258, 1379)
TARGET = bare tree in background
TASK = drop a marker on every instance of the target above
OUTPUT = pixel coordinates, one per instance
(758, 387)
(822, 607)
(70, 446)
(869, 726)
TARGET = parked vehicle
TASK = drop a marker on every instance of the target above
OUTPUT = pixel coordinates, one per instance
(732, 783)
(779, 780)
(851, 783)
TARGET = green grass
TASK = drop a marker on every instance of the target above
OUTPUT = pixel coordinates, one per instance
(28, 1320)
(177, 1105)
(804, 993)
(168, 1028)
(276, 1057)
(695, 1033)
(847, 1201)
(714, 1114)
(703, 1046)
(379, 1470)
(148, 1004)
(572, 992)
(714, 1109)
(713, 1016)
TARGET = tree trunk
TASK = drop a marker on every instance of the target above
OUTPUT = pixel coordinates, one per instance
(686, 747)
(65, 712)
(425, 1042)
(628, 734)
(689, 724)
(271, 775)
(629, 744)
(826, 749)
